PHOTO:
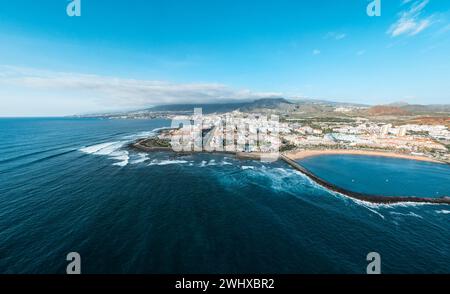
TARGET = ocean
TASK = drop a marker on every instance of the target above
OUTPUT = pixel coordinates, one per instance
(71, 184)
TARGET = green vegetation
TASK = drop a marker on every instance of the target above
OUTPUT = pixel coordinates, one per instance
(287, 146)
(156, 142)
(418, 133)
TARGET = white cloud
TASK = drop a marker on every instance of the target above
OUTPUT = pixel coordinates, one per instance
(316, 52)
(335, 36)
(340, 36)
(116, 93)
(410, 22)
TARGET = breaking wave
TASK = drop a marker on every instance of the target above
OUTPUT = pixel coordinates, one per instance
(167, 162)
(110, 149)
(443, 211)
(114, 149)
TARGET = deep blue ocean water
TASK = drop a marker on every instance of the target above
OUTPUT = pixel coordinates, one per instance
(73, 185)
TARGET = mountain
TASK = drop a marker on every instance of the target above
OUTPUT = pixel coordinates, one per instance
(206, 108)
(264, 103)
(404, 109)
(268, 103)
(290, 108)
(427, 109)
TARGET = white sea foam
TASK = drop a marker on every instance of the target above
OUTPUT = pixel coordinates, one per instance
(443, 211)
(110, 149)
(376, 212)
(406, 214)
(284, 170)
(121, 156)
(113, 149)
(167, 162)
(121, 163)
(139, 135)
(399, 204)
(102, 149)
(144, 134)
(141, 158)
(316, 185)
(244, 167)
(279, 179)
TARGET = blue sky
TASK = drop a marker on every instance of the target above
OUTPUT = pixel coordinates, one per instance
(132, 54)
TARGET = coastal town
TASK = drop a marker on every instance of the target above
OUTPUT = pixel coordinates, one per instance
(267, 133)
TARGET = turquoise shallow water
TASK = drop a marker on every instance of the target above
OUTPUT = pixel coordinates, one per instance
(73, 185)
(382, 175)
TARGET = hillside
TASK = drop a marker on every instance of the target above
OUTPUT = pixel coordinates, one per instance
(382, 110)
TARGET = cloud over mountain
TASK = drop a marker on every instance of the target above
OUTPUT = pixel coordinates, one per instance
(121, 92)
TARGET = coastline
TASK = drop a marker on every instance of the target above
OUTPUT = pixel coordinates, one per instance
(371, 198)
(290, 157)
(310, 153)
(240, 155)
(299, 154)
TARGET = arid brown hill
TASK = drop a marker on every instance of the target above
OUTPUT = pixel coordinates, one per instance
(427, 120)
(386, 110)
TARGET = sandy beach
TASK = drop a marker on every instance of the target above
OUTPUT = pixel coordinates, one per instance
(308, 153)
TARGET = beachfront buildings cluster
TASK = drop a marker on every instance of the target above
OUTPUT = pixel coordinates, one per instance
(243, 132)
(415, 139)
(230, 132)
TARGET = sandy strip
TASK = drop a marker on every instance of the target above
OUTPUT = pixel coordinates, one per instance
(308, 153)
